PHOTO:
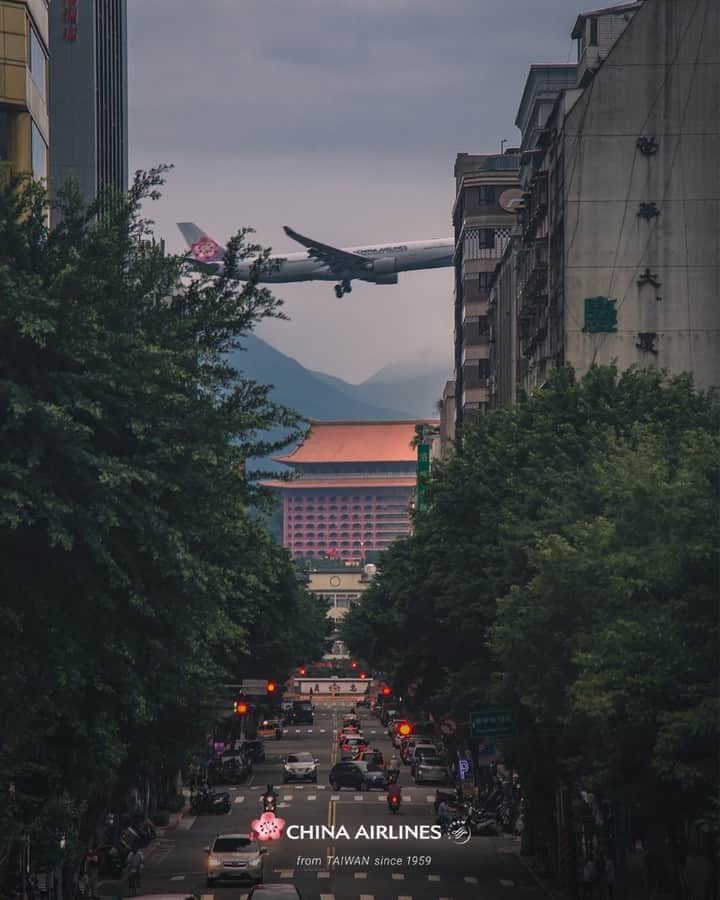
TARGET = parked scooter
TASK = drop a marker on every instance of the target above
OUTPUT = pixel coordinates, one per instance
(207, 801)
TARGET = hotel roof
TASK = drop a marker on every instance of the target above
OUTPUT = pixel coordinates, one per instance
(357, 442)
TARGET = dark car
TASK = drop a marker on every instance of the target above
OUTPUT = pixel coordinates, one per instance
(357, 775)
(275, 891)
(255, 750)
(430, 768)
(302, 713)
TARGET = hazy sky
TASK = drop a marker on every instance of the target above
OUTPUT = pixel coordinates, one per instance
(341, 118)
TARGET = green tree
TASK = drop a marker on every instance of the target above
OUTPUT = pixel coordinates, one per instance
(133, 574)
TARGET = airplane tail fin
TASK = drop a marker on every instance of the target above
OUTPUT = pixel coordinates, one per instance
(202, 247)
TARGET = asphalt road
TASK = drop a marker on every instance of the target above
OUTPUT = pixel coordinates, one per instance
(354, 869)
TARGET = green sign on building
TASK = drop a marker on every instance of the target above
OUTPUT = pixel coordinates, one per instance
(600, 315)
(491, 723)
(423, 470)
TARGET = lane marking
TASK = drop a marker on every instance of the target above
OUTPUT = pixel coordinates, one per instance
(321, 787)
(360, 875)
(186, 823)
(433, 878)
(312, 796)
(287, 796)
(322, 731)
(177, 878)
(470, 879)
(323, 874)
(283, 805)
(335, 797)
(358, 797)
(430, 798)
(398, 876)
(327, 896)
(367, 896)
(206, 896)
(287, 873)
(239, 800)
(506, 883)
(407, 798)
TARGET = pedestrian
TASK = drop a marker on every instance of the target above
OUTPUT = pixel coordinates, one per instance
(610, 877)
(589, 878)
(135, 865)
(92, 870)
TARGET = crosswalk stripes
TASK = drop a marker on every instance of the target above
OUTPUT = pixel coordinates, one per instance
(239, 799)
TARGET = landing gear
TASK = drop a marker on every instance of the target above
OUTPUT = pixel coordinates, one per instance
(345, 287)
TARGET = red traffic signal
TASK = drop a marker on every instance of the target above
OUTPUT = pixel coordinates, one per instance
(303, 670)
(240, 707)
(404, 729)
(386, 691)
(271, 687)
(363, 675)
(353, 665)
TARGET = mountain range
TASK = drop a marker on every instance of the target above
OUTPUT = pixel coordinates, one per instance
(404, 390)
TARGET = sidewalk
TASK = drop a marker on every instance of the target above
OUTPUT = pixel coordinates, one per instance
(162, 830)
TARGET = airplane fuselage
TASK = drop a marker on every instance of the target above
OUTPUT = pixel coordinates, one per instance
(384, 260)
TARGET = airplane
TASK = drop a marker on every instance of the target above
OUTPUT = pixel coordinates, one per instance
(378, 264)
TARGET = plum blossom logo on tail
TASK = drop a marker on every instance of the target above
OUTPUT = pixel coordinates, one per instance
(459, 832)
(268, 827)
(205, 249)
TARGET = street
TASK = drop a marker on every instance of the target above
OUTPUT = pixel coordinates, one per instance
(345, 868)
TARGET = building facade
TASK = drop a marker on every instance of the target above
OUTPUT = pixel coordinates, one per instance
(617, 259)
(338, 583)
(24, 118)
(88, 95)
(486, 195)
(354, 487)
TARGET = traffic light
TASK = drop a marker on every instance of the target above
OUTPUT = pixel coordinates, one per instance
(363, 675)
(353, 665)
(240, 708)
(303, 670)
(271, 687)
(404, 729)
(386, 691)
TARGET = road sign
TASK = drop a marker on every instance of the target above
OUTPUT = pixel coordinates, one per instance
(489, 723)
(448, 725)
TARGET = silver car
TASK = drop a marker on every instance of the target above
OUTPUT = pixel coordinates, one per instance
(234, 856)
(300, 767)
(430, 768)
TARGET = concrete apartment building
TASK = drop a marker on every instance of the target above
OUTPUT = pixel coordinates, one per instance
(24, 119)
(487, 193)
(618, 256)
(88, 94)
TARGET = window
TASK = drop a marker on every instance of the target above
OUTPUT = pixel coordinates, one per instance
(486, 195)
(486, 238)
(593, 31)
(38, 64)
(39, 154)
(484, 280)
(5, 133)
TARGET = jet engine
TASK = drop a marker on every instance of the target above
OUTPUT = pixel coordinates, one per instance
(385, 270)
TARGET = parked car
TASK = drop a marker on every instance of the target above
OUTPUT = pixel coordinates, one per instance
(358, 775)
(422, 747)
(270, 728)
(300, 767)
(234, 856)
(430, 768)
(388, 714)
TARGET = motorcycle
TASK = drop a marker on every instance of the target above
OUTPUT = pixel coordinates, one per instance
(393, 801)
(269, 800)
(207, 801)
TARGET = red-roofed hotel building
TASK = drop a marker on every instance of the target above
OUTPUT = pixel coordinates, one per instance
(354, 486)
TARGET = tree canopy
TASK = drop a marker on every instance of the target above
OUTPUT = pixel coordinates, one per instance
(567, 567)
(135, 579)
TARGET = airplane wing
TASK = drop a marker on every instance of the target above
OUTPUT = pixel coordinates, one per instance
(338, 260)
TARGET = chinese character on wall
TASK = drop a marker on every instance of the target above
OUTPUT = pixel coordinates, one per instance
(600, 315)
